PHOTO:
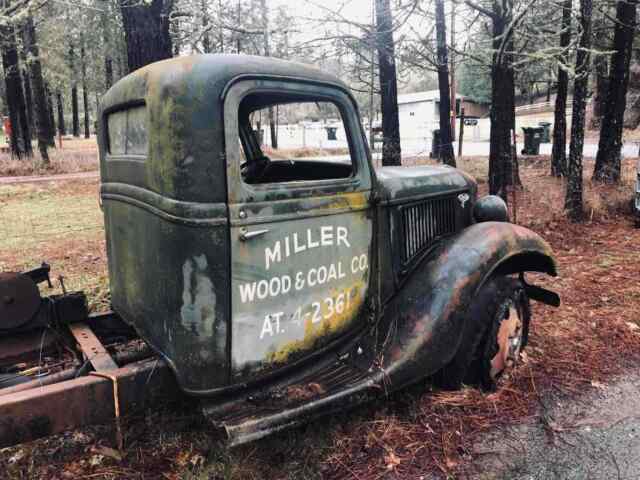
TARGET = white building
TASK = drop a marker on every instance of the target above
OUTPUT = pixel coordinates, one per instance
(420, 115)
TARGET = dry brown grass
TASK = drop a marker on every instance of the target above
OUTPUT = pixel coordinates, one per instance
(76, 155)
(285, 153)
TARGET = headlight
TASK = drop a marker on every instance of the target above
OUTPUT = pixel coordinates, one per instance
(490, 208)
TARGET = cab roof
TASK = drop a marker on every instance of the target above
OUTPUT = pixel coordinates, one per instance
(184, 120)
(211, 70)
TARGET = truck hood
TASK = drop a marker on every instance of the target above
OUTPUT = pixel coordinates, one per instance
(398, 184)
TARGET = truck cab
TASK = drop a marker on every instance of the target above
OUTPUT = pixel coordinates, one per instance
(254, 246)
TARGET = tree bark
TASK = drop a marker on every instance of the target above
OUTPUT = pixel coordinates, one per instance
(452, 71)
(108, 72)
(573, 198)
(559, 147)
(608, 162)
(20, 140)
(85, 93)
(146, 30)
(107, 49)
(61, 128)
(267, 52)
(39, 95)
(206, 37)
(446, 146)
(75, 120)
(391, 154)
(501, 170)
(28, 94)
(75, 117)
(601, 68)
(51, 126)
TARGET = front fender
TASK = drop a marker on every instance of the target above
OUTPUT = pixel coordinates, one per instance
(424, 321)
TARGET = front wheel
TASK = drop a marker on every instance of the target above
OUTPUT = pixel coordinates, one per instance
(495, 332)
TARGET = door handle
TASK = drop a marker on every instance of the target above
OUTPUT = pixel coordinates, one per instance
(246, 235)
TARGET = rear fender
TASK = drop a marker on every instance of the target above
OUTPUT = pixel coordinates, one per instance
(424, 322)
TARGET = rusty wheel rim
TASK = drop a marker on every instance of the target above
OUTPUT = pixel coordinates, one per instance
(509, 341)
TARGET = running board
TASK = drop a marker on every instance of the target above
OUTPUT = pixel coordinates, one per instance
(336, 387)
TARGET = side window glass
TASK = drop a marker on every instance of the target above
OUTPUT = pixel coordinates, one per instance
(290, 140)
(128, 132)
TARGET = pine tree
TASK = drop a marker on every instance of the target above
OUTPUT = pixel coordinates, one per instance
(608, 164)
(573, 198)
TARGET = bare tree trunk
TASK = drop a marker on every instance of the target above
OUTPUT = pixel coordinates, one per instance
(446, 147)
(61, 128)
(601, 68)
(108, 72)
(146, 30)
(559, 147)
(608, 164)
(51, 127)
(106, 48)
(391, 153)
(502, 111)
(75, 117)
(267, 52)
(20, 140)
(452, 60)
(206, 37)
(372, 66)
(85, 93)
(39, 95)
(28, 93)
(573, 199)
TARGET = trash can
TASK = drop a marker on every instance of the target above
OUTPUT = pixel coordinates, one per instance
(546, 131)
(331, 133)
(435, 144)
(532, 138)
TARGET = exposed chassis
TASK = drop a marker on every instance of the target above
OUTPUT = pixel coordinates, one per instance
(99, 390)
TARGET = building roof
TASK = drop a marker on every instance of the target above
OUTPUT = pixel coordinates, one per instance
(425, 96)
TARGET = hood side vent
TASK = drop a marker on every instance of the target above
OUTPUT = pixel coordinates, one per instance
(424, 223)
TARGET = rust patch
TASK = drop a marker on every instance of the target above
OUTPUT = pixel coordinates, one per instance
(304, 392)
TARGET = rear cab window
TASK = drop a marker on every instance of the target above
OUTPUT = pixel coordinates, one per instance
(128, 132)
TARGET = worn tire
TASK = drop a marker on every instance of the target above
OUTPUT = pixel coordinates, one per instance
(471, 364)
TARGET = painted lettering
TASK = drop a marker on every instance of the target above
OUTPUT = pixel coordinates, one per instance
(341, 235)
(297, 248)
(273, 255)
(310, 242)
(327, 236)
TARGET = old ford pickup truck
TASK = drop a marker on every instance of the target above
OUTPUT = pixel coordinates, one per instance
(281, 276)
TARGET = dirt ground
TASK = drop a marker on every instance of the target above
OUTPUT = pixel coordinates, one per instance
(418, 433)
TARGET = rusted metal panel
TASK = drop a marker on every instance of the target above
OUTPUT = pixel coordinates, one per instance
(23, 346)
(19, 300)
(304, 281)
(39, 412)
(427, 316)
(92, 348)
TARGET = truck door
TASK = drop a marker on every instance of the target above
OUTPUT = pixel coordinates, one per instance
(300, 222)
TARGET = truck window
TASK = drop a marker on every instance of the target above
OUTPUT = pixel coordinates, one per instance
(127, 130)
(285, 141)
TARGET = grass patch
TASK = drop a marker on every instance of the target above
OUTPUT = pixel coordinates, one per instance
(60, 223)
(76, 155)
